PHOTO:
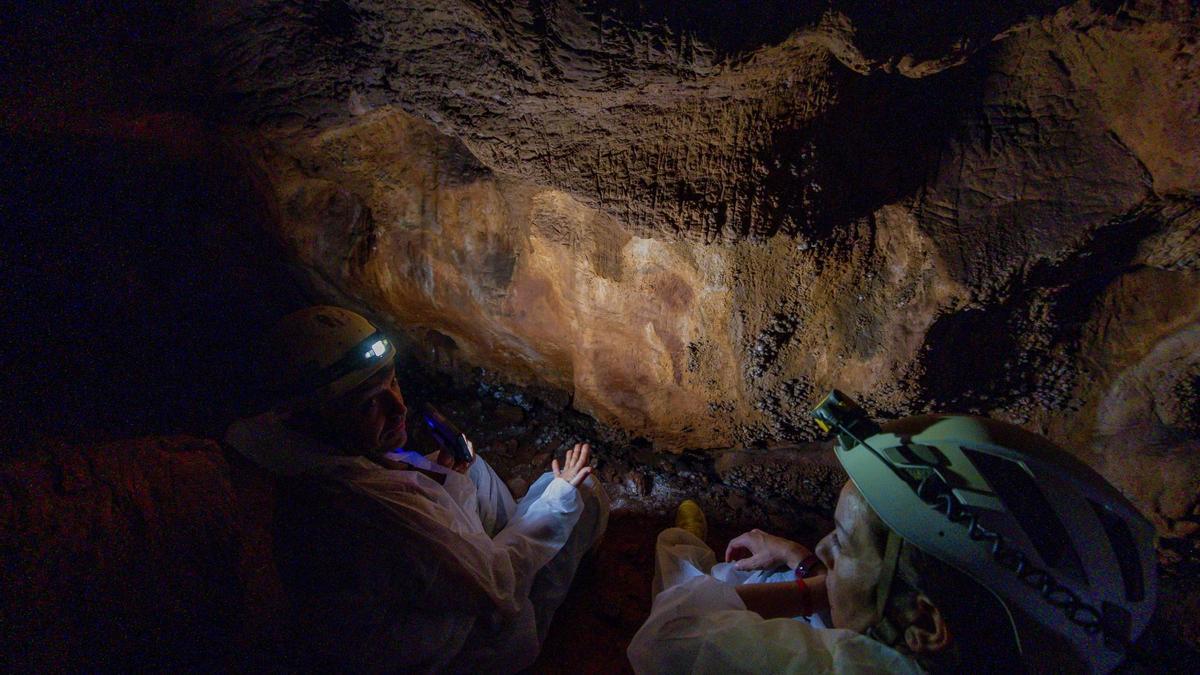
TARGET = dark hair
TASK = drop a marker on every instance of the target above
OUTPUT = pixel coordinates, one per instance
(982, 635)
(983, 639)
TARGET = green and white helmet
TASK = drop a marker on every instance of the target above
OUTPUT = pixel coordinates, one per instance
(1042, 531)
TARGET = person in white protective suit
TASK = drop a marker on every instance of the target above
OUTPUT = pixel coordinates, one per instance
(960, 543)
(394, 561)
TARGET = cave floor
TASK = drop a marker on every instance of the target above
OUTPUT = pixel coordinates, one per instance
(789, 490)
(611, 597)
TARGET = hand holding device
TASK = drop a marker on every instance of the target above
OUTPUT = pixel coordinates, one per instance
(447, 435)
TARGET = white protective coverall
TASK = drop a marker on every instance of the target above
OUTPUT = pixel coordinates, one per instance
(699, 624)
(483, 574)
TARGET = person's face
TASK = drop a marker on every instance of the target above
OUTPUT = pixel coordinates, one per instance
(371, 416)
(854, 562)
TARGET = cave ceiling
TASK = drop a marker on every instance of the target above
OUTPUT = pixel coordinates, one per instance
(695, 218)
(708, 121)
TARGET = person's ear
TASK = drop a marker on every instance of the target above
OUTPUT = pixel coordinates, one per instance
(927, 632)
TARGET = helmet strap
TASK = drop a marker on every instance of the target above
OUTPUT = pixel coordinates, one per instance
(885, 630)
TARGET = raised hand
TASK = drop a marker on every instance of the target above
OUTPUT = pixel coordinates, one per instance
(757, 550)
(575, 467)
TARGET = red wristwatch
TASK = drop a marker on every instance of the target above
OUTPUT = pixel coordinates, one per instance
(806, 607)
(806, 567)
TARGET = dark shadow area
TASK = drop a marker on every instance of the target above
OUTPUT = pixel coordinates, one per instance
(136, 283)
(981, 359)
(86, 55)
(1160, 649)
(878, 145)
(929, 30)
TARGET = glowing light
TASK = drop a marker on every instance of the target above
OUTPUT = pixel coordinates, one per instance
(378, 348)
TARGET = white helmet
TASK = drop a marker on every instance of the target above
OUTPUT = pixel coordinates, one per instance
(1038, 528)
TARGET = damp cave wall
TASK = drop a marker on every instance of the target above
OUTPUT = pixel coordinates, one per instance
(986, 208)
(689, 233)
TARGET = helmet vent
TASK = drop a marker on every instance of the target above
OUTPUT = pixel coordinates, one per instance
(1033, 513)
(1125, 550)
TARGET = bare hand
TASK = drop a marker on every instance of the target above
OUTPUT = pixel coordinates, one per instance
(757, 550)
(446, 458)
(575, 467)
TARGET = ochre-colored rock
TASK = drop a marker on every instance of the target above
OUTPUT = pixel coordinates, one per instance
(696, 239)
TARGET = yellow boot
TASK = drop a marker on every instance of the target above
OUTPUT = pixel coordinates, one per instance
(689, 517)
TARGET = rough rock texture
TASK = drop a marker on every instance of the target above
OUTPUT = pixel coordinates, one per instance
(793, 488)
(157, 553)
(141, 554)
(695, 231)
(685, 222)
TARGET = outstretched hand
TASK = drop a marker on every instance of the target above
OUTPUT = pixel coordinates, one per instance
(575, 468)
(757, 550)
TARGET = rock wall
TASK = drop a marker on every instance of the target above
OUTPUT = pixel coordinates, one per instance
(153, 553)
(687, 220)
(696, 231)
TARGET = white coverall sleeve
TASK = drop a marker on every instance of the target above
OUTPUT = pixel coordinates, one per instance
(699, 624)
(702, 626)
(476, 570)
(444, 578)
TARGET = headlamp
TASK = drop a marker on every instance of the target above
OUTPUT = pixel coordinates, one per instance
(366, 354)
(839, 414)
(377, 349)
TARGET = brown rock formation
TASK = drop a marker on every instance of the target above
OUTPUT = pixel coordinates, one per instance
(687, 223)
(694, 234)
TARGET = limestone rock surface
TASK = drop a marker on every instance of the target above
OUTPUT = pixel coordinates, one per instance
(695, 231)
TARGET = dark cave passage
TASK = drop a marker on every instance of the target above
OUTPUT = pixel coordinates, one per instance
(138, 284)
